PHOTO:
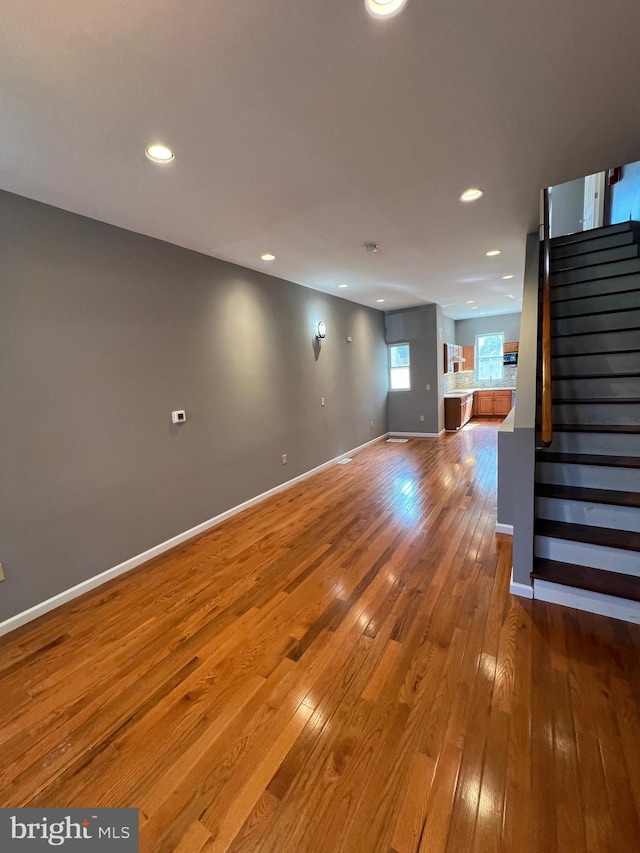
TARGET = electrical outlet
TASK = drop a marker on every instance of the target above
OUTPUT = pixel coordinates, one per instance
(2, 577)
(428, 387)
(371, 424)
(322, 401)
(421, 417)
(284, 458)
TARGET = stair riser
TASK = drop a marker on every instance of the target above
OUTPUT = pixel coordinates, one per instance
(616, 414)
(583, 554)
(611, 241)
(618, 386)
(632, 265)
(588, 259)
(589, 476)
(609, 302)
(585, 344)
(597, 323)
(597, 443)
(594, 234)
(595, 515)
(624, 362)
(597, 287)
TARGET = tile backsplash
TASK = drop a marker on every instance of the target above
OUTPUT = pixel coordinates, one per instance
(467, 379)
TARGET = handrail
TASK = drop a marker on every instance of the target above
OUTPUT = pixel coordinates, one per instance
(546, 432)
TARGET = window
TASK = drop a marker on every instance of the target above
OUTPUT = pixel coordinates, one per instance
(399, 374)
(489, 356)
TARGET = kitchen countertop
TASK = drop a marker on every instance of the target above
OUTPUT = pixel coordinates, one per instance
(458, 394)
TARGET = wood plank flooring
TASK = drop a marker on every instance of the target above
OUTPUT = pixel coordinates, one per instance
(340, 669)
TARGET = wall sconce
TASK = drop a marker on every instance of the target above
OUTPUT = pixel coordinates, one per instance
(322, 330)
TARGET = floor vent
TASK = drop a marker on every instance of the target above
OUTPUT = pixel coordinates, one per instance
(397, 440)
(344, 461)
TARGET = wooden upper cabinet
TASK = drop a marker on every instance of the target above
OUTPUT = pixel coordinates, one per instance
(450, 351)
(469, 355)
(510, 347)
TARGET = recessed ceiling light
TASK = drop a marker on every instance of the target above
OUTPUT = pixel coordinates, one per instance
(268, 257)
(343, 285)
(384, 8)
(470, 301)
(474, 307)
(371, 247)
(379, 300)
(493, 252)
(505, 277)
(472, 194)
(159, 153)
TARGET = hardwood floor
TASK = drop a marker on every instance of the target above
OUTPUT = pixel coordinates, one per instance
(340, 669)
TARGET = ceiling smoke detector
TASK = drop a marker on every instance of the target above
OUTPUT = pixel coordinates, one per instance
(371, 247)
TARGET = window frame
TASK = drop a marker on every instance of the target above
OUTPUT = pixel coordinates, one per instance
(390, 347)
(479, 359)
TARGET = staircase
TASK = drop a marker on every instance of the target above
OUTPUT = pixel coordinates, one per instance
(587, 526)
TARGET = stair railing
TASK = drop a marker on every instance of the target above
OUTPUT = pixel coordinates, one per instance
(546, 431)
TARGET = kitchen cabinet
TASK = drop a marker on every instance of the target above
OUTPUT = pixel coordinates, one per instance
(457, 410)
(452, 358)
(492, 404)
(502, 403)
(469, 355)
(512, 346)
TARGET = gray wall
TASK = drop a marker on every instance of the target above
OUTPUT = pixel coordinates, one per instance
(422, 329)
(625, 195)
(448, 331)
(102, 333)
(567, 208)
(466, 330)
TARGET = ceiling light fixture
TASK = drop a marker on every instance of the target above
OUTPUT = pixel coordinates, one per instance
(384, 8)
(472, 194)
(379, 300)
(505, 277)
(470, 301)
(493, 252)
(474, 307)
(371, 247)
(268, 257)
(159, 153)
(343, 285)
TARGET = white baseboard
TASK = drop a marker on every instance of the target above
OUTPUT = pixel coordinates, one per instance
(584, 599)
(395, 434)
(521, 589)
(133, 562)
(507, 529)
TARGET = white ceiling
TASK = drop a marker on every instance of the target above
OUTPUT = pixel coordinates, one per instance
(307, 128)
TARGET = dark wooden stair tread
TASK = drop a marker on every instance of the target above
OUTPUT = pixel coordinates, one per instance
(557, 335)
(628, 253)
(582, 493)
(585, 577)
(595, 295)
(571, 376)
(593, 352)
(621, 429)
(599, 400)
(592, 233)
(589, 459)
(586, 533)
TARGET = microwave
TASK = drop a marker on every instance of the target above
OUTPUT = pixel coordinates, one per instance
(510, 358)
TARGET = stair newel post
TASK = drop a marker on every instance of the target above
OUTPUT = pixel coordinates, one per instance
(547, 416)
